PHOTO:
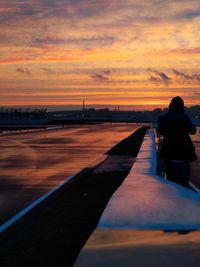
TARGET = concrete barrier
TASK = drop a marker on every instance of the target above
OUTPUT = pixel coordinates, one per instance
(144, 201)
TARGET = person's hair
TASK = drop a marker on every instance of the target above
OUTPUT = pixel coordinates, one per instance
(177, 105)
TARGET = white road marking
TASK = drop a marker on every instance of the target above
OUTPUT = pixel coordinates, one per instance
(194, 187)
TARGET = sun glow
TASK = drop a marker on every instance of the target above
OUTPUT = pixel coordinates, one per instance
(108, 52)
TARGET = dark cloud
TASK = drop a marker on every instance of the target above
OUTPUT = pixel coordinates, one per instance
(18, 10)
(95, 40)
(161, 77)
(28, 10)
(188, 14)
(196, 76)
(182, 74)
(25, 71)
(107, 72)
(49, 71)
(52, 72)
(185, 76)
(101, 76)
(90, 41)
(158, 77)
(145, 11)
(75, 11)
(48, 41)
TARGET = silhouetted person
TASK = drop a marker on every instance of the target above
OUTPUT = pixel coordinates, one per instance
(177, 148)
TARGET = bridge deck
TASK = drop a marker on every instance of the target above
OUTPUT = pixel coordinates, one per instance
(146, 202)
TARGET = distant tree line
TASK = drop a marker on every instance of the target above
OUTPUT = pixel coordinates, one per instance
(193, 112)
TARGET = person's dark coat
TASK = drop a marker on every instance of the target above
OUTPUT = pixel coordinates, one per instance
(175, 127)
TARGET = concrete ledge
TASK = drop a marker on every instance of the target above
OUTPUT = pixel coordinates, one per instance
(146, 159)
(147, 202)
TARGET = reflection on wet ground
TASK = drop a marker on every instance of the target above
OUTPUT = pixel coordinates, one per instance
(140, 248)
(32, 163)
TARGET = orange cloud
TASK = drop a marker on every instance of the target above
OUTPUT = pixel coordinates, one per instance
(100, 49)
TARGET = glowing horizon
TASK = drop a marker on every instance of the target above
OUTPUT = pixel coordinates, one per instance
(60, 52)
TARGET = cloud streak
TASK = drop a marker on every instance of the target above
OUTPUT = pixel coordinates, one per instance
(25, 71)
(158, 77)
(101, 76)
(48, 71)
(185, 76)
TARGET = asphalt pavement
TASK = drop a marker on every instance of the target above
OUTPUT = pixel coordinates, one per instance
(33, 163)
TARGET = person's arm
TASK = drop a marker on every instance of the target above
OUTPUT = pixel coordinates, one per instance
(191, 127)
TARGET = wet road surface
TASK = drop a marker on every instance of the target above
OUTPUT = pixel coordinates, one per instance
(33, 163)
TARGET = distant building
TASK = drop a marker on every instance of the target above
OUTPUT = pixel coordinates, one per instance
(13, 116)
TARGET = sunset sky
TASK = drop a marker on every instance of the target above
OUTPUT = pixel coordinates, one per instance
(109, 52)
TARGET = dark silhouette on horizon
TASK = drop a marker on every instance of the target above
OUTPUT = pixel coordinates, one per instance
(177, 148)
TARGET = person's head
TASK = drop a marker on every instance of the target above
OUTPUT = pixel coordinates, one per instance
(177, 105)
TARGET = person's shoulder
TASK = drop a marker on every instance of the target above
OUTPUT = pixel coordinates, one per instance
(163, 117)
